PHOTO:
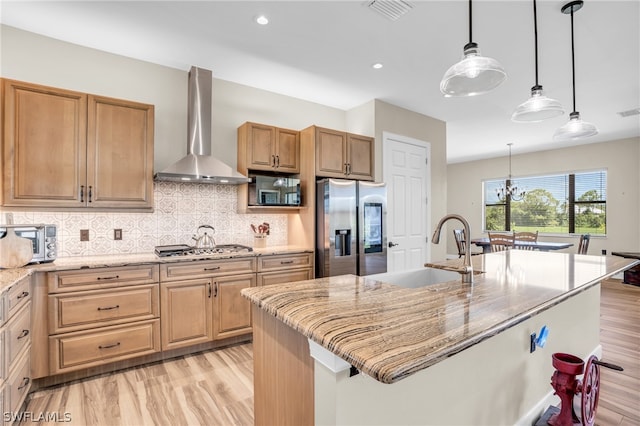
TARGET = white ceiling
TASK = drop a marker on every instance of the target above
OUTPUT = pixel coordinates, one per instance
(322, 51)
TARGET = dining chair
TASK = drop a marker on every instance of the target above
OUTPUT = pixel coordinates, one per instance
(501, 242)
(583, 245)
(531, 237)
(461, 242)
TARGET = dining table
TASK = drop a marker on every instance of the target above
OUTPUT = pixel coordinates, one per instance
(537, 245)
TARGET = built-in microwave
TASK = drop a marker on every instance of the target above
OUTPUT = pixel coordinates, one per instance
(266, 190)
(43, 240)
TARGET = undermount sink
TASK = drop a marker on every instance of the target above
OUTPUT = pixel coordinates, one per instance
(415, 278)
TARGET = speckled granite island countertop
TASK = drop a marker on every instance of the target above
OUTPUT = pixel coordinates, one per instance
(390, 332)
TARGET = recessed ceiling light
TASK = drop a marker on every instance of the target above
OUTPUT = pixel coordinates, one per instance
(629, 112)
(262, 20)
(377, 65)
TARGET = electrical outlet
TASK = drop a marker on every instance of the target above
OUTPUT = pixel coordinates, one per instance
(117, 234)
(84, 235)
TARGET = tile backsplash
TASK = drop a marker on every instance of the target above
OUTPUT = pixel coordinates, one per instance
(179, 209)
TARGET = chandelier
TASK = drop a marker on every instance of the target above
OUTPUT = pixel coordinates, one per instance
(510, 191)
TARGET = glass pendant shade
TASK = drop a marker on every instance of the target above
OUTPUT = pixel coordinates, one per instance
(473, 75)
(575, 129)
(537, 108)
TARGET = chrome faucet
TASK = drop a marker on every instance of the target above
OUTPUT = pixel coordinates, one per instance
(467, 269)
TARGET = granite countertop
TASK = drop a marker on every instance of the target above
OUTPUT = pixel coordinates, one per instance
(390, 332)
(8, 277)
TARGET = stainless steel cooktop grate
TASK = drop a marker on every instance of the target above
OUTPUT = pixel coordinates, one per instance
(185, 250)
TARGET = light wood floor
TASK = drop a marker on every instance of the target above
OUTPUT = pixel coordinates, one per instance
(620, 337)
(216, 387)
(208, 388)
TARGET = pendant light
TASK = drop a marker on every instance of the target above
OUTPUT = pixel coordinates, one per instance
(538, 107)
(575, 128)
(474, 74)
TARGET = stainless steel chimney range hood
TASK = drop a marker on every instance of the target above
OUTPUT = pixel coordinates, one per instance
(198, 165)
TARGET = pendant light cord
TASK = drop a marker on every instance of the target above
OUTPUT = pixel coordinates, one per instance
(535, 36)
(470, 25)
(573, 64)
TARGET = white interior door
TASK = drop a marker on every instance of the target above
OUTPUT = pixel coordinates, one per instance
(407, 173)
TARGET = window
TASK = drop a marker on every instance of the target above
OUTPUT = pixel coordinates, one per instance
(557, 204)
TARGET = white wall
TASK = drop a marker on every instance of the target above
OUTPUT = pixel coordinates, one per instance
(34, 58)
(621, 158)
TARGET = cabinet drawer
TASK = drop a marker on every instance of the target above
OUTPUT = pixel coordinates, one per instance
(81, 310)
(285, 261)
(18, 384)
(17, 335)
(92, 279)
(280, 277)
(17, 296)
(207, 268)
(82, 349)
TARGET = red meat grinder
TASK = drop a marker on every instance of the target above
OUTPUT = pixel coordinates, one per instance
(566, 386)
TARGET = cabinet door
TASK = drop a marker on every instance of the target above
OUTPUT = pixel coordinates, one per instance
(232, 312)
(360, 150)
(261, 149)
(119, 154)
(44, 145)
(287, 151)
(331, 147)
(185, 313)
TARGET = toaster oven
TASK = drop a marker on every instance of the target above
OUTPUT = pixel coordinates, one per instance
(43, 240)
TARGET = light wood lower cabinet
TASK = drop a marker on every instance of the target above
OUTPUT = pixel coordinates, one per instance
(77, 310)
(284, 268)
(82, 349)
(232, 312)
(15, 347)
(101, 315)
(186, 313)
(210, 299)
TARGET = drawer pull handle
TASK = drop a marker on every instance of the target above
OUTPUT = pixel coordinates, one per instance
(286, 262)
(209, 285)
(22, 295)
(24, 334)
(115, 277)
(215, 293)
(25, 383)
(215, 268)
(113, 345)
(108, 308)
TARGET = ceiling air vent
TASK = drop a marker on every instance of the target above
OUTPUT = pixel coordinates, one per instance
(390, 9)
(629, 113)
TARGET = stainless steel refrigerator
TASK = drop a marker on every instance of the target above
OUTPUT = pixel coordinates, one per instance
(350, 227)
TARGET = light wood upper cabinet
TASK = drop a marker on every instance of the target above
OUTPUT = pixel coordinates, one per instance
(119, 153)
(268, 148)
(65, 149)
(45, 140)
(343, 155)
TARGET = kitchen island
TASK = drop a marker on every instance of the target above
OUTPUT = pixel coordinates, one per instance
(445, 353)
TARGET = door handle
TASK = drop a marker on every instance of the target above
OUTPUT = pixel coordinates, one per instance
(392, 244)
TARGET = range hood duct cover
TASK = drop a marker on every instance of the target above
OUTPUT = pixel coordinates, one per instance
(198, 165)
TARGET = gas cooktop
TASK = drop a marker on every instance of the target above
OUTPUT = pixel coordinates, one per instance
(185, 250)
